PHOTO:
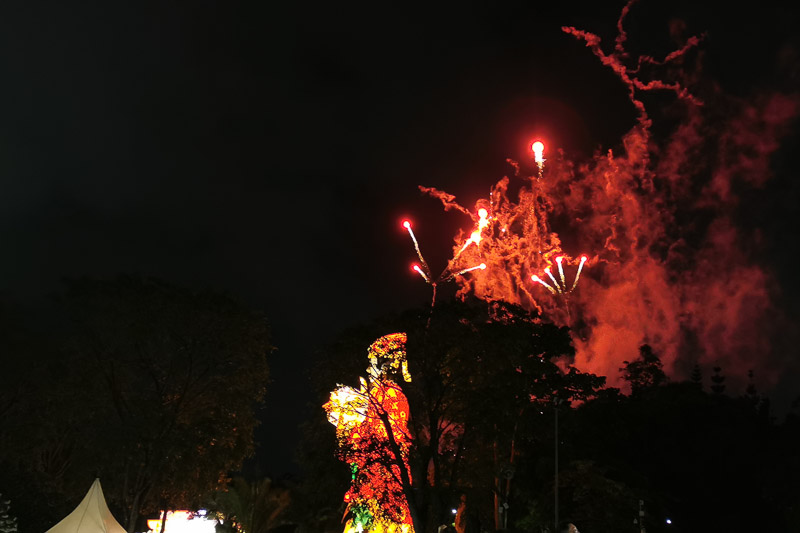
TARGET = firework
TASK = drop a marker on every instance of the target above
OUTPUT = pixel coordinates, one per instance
(407, 225)
(560, 288)
(561, 271)
(537, 279)
(476, 235)
(482, 266)
(417, 269)
(448, 274)
(547, 271)
(578, 275)
(538, 155)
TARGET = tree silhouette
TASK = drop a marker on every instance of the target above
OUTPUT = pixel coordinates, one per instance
(481, 376)
(751, 390)
(697, 376)
(151, 387)
(645, 372)
(8, 523)
(717, 381)
(250, 506)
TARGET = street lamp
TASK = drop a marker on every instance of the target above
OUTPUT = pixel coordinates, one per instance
(557, 402)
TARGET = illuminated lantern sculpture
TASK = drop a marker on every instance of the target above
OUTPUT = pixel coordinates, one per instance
(372, 432)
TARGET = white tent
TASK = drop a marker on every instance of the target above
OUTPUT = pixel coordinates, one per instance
(91, 516)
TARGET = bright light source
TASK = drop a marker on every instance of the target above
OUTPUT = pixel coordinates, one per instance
(482, 213)
(669, 521)
(482, 266)
(537, 279)
(183, 522)
(455, 511)
(407, 224)
(538, 151)
(421, 272)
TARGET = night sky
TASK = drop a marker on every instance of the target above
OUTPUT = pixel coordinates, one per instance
(270, 150)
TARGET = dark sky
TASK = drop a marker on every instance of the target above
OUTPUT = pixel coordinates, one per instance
(269, 150)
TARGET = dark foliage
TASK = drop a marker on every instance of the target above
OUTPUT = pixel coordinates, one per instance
(151, 387)
(706, 461)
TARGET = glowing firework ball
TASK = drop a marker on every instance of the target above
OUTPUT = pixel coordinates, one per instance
(538, 155)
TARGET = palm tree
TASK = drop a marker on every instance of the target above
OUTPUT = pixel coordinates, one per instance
(250, 507)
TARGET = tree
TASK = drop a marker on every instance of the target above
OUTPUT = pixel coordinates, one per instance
(645, 372)
(751, 390)
(250, 506)
(480, 375)
(34, 456)
(155, 392)
(708, 462)
(8, 523)
(718, 381)
(697, 376)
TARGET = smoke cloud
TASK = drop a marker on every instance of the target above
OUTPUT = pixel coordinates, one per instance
(669, 264)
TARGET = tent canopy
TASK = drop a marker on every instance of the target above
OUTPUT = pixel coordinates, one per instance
(91, 516)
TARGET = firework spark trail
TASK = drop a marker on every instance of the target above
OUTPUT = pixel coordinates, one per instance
(407, 225)
(561, 288)
(537, 279)
(561, 271)
(476, 235)
(538, 155)
(482, 266)
(421, 273)
(448, 273)
(578, 275)
(555, 283)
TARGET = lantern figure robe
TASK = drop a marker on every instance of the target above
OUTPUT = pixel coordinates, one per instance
(367, 420)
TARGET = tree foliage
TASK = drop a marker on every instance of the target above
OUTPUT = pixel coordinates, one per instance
(8, 522)
(480, 375)
(482, 394)
(645, 372)
(250, 506)
(151, 387)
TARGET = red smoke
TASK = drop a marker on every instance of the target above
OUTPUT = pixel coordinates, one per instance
(668, 265)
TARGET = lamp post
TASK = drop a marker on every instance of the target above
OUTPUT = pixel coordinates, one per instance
(557, 401)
